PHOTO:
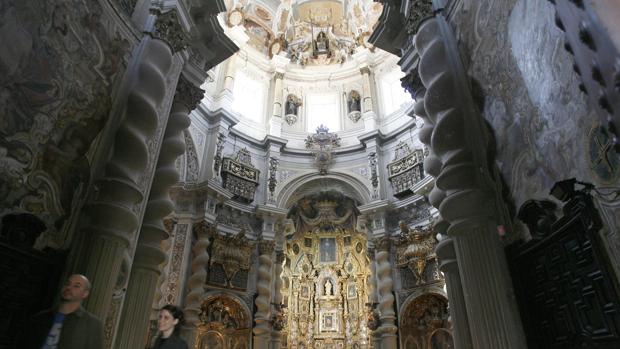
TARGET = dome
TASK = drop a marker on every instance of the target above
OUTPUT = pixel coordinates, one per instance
(305, 65)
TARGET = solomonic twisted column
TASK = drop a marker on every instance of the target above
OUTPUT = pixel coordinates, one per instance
(112, 211)
(263, 301)
(277, 316)
(465, 189)
(203, 232)
(145, 270)
(385, 283)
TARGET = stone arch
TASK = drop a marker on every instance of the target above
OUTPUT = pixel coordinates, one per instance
(298, 187)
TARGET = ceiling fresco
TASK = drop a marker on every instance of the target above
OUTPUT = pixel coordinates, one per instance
(308, 32)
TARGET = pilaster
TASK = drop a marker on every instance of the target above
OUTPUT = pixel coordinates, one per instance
(458, 312)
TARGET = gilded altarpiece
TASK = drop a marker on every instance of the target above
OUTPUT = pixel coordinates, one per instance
(327, 271)
(424, 323)
(225, 324)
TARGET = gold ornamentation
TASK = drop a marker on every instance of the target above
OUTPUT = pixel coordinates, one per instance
(232, 252)
(224, 324)
(327, 295)
(414, 248)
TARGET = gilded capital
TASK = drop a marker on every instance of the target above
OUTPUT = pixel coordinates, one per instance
(203, 229)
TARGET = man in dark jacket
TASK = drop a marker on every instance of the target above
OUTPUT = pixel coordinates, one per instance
(69, 326)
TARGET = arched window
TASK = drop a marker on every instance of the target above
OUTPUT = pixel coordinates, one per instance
(392, 93)
(249, 96)
(323, 109)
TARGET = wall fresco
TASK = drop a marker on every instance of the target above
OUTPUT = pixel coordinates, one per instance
(56, 77)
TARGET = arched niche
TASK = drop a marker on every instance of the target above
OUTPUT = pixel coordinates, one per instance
(348, 184)
(225, 323)
(423, 322)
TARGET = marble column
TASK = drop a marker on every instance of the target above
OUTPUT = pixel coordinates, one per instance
(449, 266)
(262, 327)
(114, 208)
(464, 189)
(203, 232)
(385, 284)
(148, 256)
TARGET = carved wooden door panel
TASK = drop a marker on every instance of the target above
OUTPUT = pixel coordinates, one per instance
(567, 293)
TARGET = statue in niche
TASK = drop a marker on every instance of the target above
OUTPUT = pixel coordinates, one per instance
(291, 108)
(354, 101)
(328, 288)
(354, 104)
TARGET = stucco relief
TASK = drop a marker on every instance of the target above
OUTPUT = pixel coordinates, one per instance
(517, 61)
(54, 99)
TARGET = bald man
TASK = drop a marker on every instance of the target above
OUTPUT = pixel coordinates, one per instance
(68, 326)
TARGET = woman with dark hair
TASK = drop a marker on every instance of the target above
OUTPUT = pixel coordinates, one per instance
(169, 325)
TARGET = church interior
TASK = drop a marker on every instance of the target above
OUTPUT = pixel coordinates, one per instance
(315, 174)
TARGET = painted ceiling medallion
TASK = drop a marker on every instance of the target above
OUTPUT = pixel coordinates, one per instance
(235, 17)
(262, 13)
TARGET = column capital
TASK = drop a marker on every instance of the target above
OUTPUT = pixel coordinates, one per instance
(412, 83)
(383, 244)
(203, 229)
(278, 75)
(417, 11)
(169, 29)
(265, 247)
(365, 70)
(188, 94)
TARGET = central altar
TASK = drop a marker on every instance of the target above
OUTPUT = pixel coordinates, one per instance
(326, 279)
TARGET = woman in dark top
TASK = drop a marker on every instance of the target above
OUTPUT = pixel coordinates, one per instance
(169, 324)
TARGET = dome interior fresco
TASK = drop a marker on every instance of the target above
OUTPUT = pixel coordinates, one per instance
(310, 32)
